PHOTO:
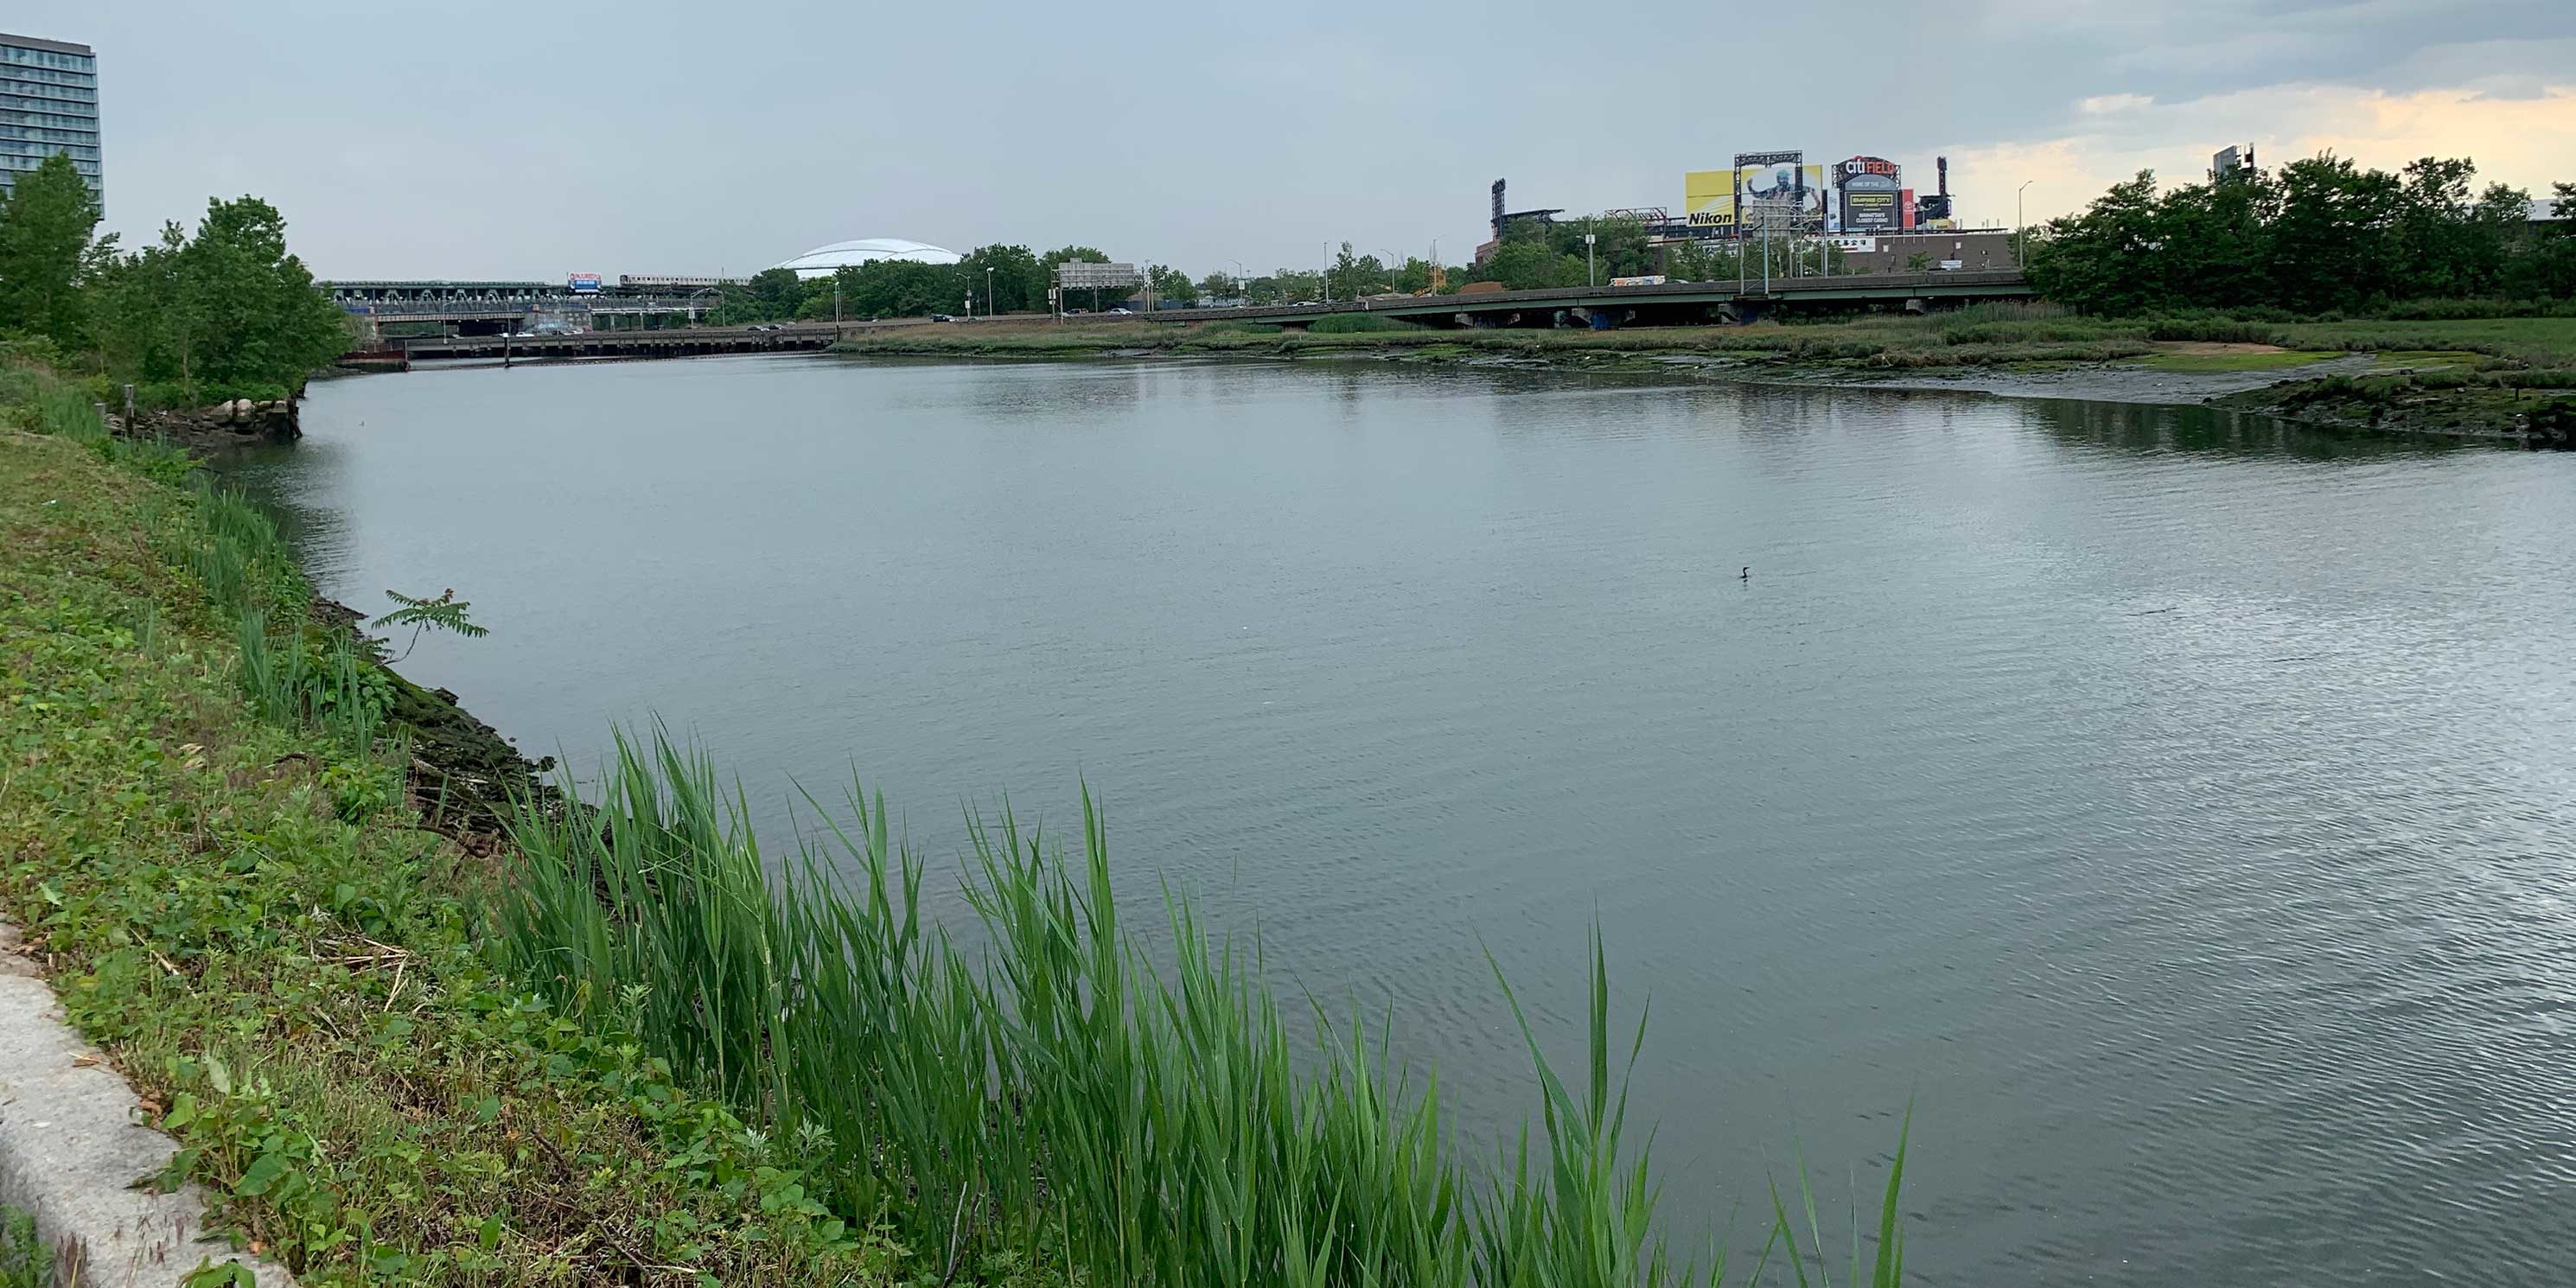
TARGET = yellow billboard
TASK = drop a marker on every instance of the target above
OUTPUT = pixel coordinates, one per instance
(1710, 196)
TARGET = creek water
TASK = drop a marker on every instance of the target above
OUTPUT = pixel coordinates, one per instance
(2180, 811)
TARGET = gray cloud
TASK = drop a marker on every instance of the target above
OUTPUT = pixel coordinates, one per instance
(532, 139)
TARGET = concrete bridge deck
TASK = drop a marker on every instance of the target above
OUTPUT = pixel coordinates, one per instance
(674, 342)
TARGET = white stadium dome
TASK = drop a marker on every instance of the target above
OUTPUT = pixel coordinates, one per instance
(823, 260)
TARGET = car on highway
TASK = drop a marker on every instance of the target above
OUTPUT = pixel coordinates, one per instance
(1124, 313)
(942, 317)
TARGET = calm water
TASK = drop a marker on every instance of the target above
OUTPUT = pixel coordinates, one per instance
(2182, 813)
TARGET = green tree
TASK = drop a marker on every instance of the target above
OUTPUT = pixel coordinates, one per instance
(1530, 264)
(2101, 259)
(2331, 247)
(1618, 250)
(771, 294)
(151, 318)
(2213, 242)
(2550, 264)
(1170, 284)
(46, 254)
(263, 320)
(230, 307)
(1018, 282)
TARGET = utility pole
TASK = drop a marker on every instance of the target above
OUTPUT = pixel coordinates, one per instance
(988, 290)
(1328, 272)
(1588, 279)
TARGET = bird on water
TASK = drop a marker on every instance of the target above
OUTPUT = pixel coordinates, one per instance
(1746, 575)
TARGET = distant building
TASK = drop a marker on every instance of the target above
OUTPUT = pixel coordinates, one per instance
(823, 261)
(48, 104)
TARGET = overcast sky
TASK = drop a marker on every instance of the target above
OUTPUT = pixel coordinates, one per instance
(539, 137)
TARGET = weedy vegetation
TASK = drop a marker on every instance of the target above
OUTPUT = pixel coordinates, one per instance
(634, 1050)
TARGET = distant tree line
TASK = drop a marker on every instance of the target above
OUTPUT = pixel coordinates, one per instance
(226, 312)
(2321, 235)
(1532, 255)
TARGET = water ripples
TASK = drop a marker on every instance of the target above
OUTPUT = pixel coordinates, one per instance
(2181, 810)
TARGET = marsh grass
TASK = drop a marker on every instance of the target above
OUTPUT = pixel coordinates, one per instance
(1056, 1098)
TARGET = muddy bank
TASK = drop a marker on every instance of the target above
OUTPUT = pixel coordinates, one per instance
(464, 773)
(2443, 404)
(2108, 382)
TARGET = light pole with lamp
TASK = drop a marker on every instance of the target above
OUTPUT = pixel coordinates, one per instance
(988, 290)
(1587, 261)
(1242, 292)
(1388, 261)
(2021, 235)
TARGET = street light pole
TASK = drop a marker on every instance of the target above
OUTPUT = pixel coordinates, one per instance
(1588, 282)
(1242, 293)
(988, 290)
(2021, 235)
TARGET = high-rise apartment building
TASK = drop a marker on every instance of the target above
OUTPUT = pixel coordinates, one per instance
(48, 104)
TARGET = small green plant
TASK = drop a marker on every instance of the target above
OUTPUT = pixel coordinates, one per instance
(446, 613)
(360, 789)
(24, 1260)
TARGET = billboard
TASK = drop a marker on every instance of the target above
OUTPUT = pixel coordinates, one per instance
(1081, 273)
(1872, 195)
(1711, 198)
(1789, 185)
(583, 283)
(1708, 198)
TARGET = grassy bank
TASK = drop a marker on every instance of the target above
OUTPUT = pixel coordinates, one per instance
(625, 1052)
(217, 866)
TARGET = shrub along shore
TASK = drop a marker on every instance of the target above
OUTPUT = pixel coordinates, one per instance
(618, 1051)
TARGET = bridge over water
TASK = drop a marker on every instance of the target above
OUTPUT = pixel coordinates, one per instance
(1664, 304)
(674, 342)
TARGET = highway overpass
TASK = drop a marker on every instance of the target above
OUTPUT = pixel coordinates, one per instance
(1666, 304)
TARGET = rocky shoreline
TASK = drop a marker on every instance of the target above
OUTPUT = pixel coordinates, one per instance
(241, 422)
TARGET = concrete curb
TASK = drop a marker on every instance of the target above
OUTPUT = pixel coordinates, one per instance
(71, 1148)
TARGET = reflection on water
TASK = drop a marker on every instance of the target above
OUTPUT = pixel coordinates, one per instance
(2178, 808)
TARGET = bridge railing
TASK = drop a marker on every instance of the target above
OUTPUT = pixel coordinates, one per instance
(498, 307)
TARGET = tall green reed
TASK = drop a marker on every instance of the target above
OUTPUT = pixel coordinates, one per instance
(1052, 1096)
